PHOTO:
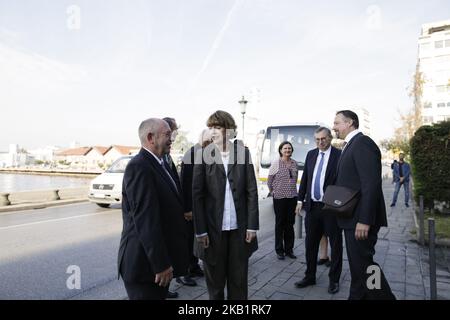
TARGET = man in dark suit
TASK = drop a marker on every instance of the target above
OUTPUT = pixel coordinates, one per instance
(318, 173)
(153, 243)
(359, 169)
(225, 210)
(187, 170)
(186, 280)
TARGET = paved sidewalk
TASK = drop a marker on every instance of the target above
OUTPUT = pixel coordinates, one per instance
(403, 261)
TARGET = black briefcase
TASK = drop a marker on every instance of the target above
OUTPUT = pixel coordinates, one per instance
(340, 200)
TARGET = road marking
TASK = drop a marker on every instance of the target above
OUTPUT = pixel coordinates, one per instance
(53, 220)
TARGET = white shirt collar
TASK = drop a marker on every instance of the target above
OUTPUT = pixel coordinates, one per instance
(326, 151)
(351, 135)
(160, 161)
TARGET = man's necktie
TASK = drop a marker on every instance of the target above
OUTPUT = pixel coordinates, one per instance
(317, 180)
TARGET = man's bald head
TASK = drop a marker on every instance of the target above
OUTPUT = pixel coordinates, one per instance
(153, 126)
(155, 136)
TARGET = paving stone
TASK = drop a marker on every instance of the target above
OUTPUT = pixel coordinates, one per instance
(405, 264)
(397, 286)
(399, 295)
(415, 290)
(284, 296)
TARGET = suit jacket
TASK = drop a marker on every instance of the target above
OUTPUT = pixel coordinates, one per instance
(359, 168)
(170, 164)
(406, 169)
(304, 191)
(208, 190)
(154, 233)
(187, 171)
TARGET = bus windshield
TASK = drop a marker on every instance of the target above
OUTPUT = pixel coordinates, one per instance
(301, 137)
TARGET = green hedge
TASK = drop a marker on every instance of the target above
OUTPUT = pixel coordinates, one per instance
(430, 159)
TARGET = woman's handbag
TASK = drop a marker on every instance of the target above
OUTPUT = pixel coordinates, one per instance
(340, 200)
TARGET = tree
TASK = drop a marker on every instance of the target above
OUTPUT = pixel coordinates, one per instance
(396, 145)
(430, 153)
(416, 92)
(409, 121)
(181, 143)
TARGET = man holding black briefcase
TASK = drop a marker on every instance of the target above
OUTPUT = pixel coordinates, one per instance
(359, 170)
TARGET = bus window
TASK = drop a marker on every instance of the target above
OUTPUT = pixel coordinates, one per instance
(301, 138)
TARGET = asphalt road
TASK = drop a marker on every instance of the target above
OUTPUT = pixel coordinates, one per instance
(38, 246)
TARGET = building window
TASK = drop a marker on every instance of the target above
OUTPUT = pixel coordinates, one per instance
(442, 59)
(448, 104)
(427, 120)
(425, 46)
(447, 43)
(427, 105)
(439, 44)
(441, 105)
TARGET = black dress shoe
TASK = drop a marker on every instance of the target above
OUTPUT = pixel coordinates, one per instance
(322, 261)
(187, 281)
(291, 255)
(172, 295)
(304, 283)
(333, 287)
(197, 272)
(280, 256)
(392, 204)
(328, 264)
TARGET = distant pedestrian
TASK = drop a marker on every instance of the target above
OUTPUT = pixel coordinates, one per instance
(402, 172)
(282, 183)
(392, 168)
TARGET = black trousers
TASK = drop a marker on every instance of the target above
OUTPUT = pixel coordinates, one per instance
(284, 224)
(318, 223)
(193, 260)
(145, 291)
(231, 268)
(360, 258)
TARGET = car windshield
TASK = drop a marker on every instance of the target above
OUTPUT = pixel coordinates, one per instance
(119, 165)
(301, 138)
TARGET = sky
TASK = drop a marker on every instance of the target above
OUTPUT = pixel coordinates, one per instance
(90, 71)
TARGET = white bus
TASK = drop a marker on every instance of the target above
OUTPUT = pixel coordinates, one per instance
(300, 135)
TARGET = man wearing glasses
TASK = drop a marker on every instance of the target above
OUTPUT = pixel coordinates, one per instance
(318, 173)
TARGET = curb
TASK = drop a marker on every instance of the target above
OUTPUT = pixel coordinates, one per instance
(38, 205)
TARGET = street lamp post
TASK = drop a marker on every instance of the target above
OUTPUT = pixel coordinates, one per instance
(243, 104)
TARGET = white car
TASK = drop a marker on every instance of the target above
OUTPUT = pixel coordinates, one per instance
(107, 187)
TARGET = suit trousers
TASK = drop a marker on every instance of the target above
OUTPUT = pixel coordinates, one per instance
(193, 260)
(318, 223)
(284, 224)
(360, 257)
(145, 291)
(231, 268)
